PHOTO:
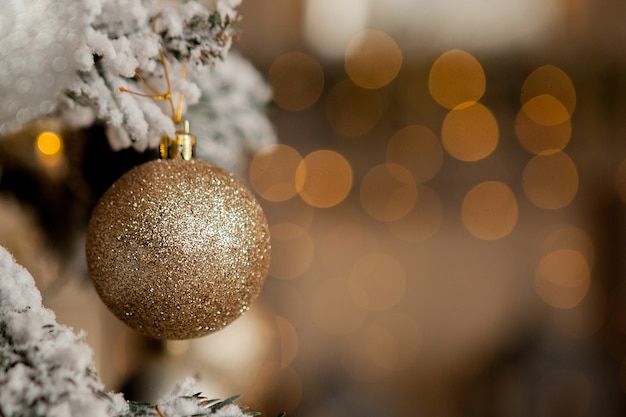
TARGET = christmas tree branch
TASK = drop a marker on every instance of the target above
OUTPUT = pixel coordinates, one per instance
(131, 45)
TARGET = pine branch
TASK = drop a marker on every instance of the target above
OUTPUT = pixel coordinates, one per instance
(205, 37)
(125, 39)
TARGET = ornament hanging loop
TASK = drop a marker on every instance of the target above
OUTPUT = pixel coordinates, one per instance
(182, 146)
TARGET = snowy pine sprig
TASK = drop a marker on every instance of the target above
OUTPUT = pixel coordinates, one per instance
(122, 51)
(194, 34)
(193, 405)
(46, 369)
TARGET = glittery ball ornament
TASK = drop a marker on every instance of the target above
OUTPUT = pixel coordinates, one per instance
(178, 249)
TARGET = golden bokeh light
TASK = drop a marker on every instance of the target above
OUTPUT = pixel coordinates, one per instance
(297, 80)
(490, 210)
(324, 178)
(273, 172)
(562, 278)
(388, 192)
(545, 110)
(333, 309)
(373, 59)
(353, 111)
(48, 150)
(470, 133)
(550, 181)
(455, 78)
(49, 143)
(288, 341)
(569, 237)
(417, 149)
(292, 248)
(423, 221)
(377, 281)
(542, 139)
(586, 318)
(550, 80)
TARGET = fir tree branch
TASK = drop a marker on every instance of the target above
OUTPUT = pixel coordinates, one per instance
(124, 38)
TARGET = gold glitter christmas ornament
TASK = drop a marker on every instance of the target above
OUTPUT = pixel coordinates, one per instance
(178, 248)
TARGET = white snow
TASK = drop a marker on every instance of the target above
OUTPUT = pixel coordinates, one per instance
(44, 366)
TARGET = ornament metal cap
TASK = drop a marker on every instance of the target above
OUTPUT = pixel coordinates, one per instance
(182, 146)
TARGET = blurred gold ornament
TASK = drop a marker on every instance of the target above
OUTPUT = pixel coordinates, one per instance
(178, 248)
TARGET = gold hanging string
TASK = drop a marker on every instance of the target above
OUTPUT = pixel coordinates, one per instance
(183, 145)
(177, 112)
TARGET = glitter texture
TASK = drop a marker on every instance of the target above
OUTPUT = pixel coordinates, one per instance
(178, 249)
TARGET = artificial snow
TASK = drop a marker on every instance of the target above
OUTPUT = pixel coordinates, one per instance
(45, 369)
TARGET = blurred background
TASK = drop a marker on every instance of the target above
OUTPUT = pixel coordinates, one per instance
(446, 206)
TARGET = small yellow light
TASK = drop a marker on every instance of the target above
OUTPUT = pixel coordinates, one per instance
(373, 59)
(323, 178)
(470, 132)
(49, 143)
(490, 210)
(563, 278)
(550, 181)
(552, 81)
(273, 172)
(456, 77)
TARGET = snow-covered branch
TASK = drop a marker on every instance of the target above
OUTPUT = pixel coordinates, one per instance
(124, 38)
(80, 55)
